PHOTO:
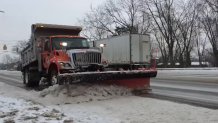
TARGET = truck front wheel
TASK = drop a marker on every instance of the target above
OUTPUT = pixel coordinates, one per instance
(53, 76)
(25, 77)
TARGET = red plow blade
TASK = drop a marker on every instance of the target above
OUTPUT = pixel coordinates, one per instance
(130, 79)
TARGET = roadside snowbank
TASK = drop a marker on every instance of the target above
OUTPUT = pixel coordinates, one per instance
(79, 93)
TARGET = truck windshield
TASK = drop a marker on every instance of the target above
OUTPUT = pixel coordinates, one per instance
(72, 43)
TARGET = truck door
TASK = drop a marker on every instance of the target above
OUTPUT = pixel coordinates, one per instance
(46, 54)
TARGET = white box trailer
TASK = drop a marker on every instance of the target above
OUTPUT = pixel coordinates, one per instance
(134, 49)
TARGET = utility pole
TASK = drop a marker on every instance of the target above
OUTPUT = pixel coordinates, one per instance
(5, 47)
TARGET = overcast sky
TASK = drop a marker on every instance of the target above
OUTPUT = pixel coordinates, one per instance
(15, 23)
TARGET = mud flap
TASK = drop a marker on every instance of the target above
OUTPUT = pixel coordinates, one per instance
(131, 79)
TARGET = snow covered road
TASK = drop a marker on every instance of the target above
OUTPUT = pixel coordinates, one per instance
(196, 86)
(191, 74)
(93, 107)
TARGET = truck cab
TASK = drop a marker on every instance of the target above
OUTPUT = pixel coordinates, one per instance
(69, 54)
(57, 49)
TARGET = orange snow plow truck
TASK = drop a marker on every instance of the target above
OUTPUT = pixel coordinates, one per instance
(60, 54)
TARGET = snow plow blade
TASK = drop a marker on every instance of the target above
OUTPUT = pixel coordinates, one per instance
(131, 79)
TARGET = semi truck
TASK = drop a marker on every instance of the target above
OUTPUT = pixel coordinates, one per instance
(126, 51)
(60, 54)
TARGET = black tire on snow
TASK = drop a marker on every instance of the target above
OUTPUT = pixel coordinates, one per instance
(24, 77)
(52, 74)
(31, 78)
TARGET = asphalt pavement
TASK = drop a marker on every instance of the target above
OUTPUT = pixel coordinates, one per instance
(194, 87)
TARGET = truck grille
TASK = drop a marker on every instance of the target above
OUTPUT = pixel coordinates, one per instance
(84, 59)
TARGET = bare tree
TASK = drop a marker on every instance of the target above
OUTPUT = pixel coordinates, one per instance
(116, 17)
(7, 59)
(201, 47)
(163, 14)
(213, 4)
(187, 24)
(209, 19)
(96, 24)
(126, 13)
(173, 24)
(20, 45)
(162, 47)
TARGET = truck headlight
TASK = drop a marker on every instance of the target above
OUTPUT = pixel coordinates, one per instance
(67, 65)
(64, 65)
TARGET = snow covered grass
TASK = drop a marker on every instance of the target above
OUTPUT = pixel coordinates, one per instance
(134, 109)
(21, 111)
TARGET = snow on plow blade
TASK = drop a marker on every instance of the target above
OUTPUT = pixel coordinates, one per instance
(131, 79)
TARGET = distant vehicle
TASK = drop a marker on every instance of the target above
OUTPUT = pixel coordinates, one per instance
(58, 53)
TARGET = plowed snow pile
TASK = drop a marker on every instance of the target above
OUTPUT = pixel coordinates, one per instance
(80, 93)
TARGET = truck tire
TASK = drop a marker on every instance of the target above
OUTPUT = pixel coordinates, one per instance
(24, 77)
(52, 76)
(31, 78)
